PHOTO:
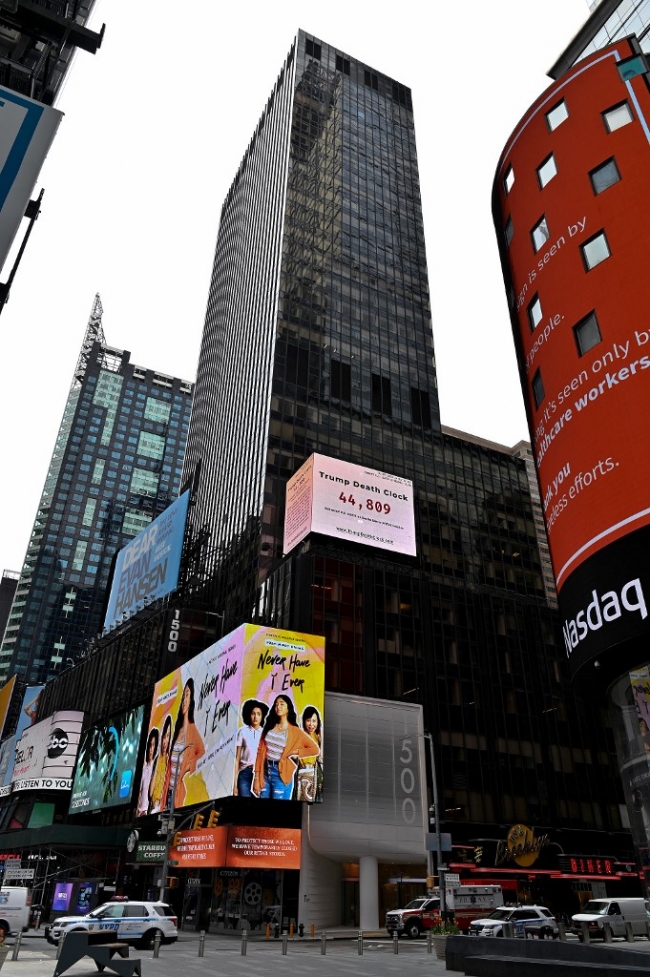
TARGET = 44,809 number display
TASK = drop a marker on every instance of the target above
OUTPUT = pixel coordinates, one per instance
(374, 505)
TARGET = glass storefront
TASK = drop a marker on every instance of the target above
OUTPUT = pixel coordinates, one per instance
(229, 900)
(629, 703)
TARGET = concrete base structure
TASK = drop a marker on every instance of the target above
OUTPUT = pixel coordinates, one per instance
(369, 893)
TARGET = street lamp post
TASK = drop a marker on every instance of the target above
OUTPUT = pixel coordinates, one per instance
(170, 822)
(438, 840)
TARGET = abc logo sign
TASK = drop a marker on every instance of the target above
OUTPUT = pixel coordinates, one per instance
(58, 743)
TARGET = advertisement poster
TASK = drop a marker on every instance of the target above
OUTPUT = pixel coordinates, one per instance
(5, 700)
(62, 896)
(236, 846)
(27, 129)
(575, 274)
(46, 753)
(210, 719)
(106, 766)
(148, 566)
(85, 898)
(346, 501)
(28, 708)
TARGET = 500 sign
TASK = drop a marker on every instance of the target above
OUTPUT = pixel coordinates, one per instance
(408, 781)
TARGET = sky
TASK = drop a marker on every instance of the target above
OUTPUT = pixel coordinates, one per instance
(154, 129)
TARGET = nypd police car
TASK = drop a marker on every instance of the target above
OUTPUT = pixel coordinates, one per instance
(128, 922)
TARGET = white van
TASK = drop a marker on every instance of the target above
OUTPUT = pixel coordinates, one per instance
(14, 909)
(616, 912)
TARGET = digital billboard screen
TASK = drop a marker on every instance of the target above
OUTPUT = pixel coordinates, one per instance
(346, 501)
(106, 766)
(6, 693)
(578, 309)
(236, 846)
(46, 753)
(211, 718)
(148, 566)
(27, 129)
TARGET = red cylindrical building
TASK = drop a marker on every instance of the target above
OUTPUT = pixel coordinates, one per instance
(572, 212)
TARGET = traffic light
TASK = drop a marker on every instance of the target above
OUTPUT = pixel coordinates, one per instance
(214, 818)
(198, 821)
(171, 882)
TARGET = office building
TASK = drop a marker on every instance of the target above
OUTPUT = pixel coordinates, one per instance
(115, 466)
(572, 224)
(7, 591)
(318, 345)
(318, 340)
(610, 20)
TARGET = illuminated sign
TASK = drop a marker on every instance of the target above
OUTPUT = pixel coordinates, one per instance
(236, 846)
(147, 568)
(579, 316)
(520, 847)
(62, 896)
(352, 502)
(587, 865)
(46, 753)
(213, 712)
(151, 851)
(106, 765)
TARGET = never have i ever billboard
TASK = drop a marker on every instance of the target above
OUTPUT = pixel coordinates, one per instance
(210, 719)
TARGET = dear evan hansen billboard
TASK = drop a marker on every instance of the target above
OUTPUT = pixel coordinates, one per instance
(148, 566)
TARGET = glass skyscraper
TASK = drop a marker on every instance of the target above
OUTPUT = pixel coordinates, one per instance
(609, 20)
(318, 338)
(116, 465)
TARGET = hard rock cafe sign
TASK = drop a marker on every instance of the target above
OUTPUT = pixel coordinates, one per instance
(521, 846)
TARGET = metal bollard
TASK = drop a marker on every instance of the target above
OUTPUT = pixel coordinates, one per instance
(395, 943)
(507, 930)
(244, 942)
(156, 945)
(360, 943)
(629, 935)
(323, 943)
(16, 949)
(561, 930)
(313, 931)
(202, 943)
(285, 944)
(607, 932)
(429, 942)
(268, 931)
(60, 946)
(584, 932)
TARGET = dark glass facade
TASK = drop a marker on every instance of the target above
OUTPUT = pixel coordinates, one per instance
(116, 465)
(318, 338)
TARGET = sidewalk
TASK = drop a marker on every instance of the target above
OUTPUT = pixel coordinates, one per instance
(223, 958)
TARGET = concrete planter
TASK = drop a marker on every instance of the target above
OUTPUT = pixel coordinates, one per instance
(440, 946)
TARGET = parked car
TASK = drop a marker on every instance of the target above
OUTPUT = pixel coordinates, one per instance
(616, 912)
(130, 922)
(14, 909)
(527, 920)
